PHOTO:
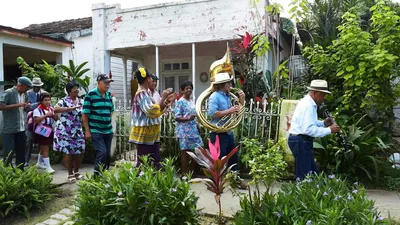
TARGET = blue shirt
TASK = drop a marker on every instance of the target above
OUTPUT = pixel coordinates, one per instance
(33, 98)
(218, 101)
(305, 119)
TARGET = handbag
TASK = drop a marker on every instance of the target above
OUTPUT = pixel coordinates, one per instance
(42, 129)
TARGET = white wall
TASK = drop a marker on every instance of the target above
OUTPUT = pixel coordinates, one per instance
(190, 21)
(83, 51)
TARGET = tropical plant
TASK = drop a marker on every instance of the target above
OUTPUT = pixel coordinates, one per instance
(364, 63)
(130, 195)
(76, 73)
(367, 150)
(21, 191)
(318, 199)
(266, 162)
(215, 169)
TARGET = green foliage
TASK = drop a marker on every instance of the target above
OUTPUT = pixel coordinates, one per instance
(266, 163)
(362, 64)
(274, 9)
(76, 73)
(321, 200)
(53, 75)
(367, 150)
(298, 10)
(132, 195)
(21, 191)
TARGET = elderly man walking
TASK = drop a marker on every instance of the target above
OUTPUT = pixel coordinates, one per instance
(13, 103)
(33, 97)
(96, 116)
(305, 126)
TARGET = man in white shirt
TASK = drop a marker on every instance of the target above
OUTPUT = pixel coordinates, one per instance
(153, 92)
(305, 126)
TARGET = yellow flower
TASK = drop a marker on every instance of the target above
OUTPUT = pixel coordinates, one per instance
(142, 72)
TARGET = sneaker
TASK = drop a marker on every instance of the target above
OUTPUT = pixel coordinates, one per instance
(40, 166)
(50, 170)
(26, 164)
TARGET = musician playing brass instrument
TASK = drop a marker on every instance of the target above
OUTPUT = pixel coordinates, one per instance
(305, 126)
(225, 109)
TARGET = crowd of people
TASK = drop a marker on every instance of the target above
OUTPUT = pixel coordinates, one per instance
(30, 121)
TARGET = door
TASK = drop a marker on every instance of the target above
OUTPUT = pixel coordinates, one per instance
(174, 81)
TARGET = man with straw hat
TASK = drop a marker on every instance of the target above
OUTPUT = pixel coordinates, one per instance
(305, 126)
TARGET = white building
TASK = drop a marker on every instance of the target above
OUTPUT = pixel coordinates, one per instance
(176, 41)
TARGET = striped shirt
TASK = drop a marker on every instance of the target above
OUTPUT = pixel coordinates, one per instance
(98, 110)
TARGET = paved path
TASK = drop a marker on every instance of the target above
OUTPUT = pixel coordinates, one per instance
(385, 201)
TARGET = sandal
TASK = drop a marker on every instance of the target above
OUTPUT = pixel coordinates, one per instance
(71, 178)
(78, 176)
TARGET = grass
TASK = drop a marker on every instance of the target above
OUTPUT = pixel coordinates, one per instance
(63, 200)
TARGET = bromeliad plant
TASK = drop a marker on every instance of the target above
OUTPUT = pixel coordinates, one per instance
(215, 169)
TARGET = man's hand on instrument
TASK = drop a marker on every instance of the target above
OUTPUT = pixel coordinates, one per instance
(334, 128)
(234, 109)
(328, 122)
(241, 96)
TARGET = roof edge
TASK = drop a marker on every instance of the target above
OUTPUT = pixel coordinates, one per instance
(26, 34)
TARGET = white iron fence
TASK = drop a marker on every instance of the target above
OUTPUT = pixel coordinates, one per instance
(260, 121)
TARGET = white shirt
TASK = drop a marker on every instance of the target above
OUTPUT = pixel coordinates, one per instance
(39, 113)
(305, 119)
(21, 112)
(156, 96)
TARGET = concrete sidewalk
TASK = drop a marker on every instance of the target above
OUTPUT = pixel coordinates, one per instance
(386, 201)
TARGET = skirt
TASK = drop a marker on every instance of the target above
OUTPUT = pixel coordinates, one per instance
(41, 140)
(190, 143)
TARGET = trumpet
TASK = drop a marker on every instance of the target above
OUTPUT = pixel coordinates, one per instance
(228, 122)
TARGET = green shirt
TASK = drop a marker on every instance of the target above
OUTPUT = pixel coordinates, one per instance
(98, 110)
(13, 119)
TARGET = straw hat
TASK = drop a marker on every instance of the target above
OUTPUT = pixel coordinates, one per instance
(319, 85)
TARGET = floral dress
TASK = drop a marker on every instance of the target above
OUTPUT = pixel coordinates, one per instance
(68, 136)
(187, 133)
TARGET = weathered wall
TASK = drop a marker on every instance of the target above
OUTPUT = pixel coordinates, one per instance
(170, 23)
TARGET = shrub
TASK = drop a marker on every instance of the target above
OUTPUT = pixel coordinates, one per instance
(266, 163)
(315, 200)
(21, 191)
(130, 195)
(367, 151)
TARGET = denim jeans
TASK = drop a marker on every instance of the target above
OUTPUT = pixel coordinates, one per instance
(14, 143)
(102, 146)
(227, 144)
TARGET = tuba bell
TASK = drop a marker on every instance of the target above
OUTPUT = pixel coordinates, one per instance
(228, 122)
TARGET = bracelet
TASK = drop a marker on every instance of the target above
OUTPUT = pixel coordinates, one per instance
(166, 103)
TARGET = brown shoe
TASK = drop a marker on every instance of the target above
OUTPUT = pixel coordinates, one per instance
(241, 184)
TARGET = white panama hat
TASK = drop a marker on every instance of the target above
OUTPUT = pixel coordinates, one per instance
(221, 78)
(319, 85)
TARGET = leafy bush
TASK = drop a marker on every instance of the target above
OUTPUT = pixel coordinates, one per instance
(367, 150)
(136, 196)
(266, 163)
(21, 191)
(315, 200)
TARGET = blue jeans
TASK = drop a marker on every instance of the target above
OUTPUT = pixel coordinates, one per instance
(102, 146)
(302, 150)
(227, 144)
(15, 142)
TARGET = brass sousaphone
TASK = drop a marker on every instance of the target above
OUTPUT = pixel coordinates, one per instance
(228, 122)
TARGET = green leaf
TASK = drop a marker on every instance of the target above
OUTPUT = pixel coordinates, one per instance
(350, 68)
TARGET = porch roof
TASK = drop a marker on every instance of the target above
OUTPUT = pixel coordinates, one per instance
(30, 35)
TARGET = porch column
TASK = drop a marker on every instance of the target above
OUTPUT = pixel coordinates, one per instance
(158, 69)
(1, 67)
(101, 57)
(125, 79)
(194, 70)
